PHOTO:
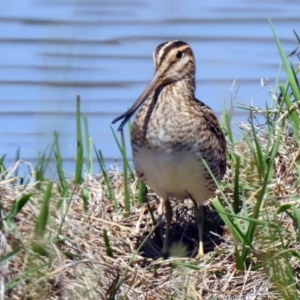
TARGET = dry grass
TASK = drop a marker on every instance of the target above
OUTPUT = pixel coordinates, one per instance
(75, 264)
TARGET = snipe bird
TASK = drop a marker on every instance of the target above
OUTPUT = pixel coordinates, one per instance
(173, 133)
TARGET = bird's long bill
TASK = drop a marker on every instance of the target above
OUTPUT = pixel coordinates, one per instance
(155, 82)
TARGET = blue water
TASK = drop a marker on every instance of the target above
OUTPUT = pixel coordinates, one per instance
(52, 50)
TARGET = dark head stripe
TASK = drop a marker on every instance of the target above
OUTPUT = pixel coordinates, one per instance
(163, 49)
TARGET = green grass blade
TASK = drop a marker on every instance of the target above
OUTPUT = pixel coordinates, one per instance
(41, 223)
(42, 165)
(121, 151)
(59, 167)
(226, 125)
(297, 36)
(17, 206)
(254, 155)
(296, 212)
(293, 83)
(260, 159)
(292, 116)
(75, 187)
(232, 226)
(110, 192)
(2, 166)
(88, 147)
(288, 70)
(142, 192)
(125, 175)
(7, 257)
(108, 248)
(236, 191)
(85, 197)
(79, 153)
(252, 225)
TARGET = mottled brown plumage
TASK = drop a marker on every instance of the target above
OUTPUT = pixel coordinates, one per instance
(173, 133)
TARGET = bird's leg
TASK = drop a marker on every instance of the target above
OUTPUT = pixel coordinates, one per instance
(199, 216)
(160, 210)
(168, 216)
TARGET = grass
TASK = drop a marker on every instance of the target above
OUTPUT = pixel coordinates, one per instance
(95, 236)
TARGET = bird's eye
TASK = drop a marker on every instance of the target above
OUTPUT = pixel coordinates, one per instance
(179, 54)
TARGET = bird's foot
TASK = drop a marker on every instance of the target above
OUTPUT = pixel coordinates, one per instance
(200, 251)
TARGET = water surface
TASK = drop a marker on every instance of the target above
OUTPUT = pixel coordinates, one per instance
(52, 50)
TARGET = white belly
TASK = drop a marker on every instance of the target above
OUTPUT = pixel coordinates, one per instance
(174, 175)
